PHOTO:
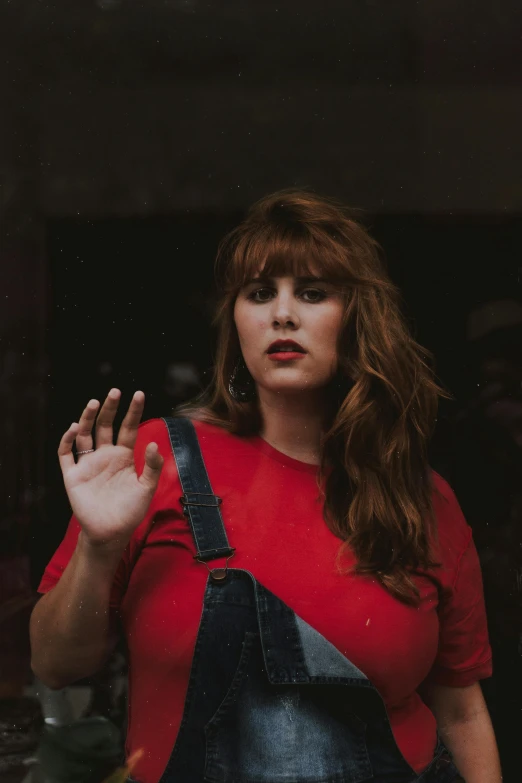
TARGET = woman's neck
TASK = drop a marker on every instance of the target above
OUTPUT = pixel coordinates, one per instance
(293, 424)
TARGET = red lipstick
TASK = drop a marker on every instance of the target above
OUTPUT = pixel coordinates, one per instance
(285, 351)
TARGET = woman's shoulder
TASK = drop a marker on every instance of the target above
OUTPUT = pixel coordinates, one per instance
(157, 426)
(454, 532)
(209, 436)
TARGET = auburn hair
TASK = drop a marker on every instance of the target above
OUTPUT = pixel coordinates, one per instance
(374, 477)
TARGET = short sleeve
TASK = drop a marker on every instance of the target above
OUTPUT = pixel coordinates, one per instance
(63, 554)
(464, 654)
(147, 431)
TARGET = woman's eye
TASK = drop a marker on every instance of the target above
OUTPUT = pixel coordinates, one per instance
(255, 294)
(317, 295)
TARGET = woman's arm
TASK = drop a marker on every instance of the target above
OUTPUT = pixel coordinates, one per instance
(72, 629)
(465, 727)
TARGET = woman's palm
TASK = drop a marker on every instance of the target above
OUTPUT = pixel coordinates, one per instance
(107, 496)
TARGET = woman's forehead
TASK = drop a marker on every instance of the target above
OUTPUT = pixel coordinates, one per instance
(280, 267)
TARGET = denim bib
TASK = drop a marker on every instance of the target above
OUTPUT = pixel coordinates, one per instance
(269, 699)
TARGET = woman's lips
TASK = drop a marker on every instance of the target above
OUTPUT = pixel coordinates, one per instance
(286, 356)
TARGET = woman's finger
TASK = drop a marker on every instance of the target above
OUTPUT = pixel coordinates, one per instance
(84, 438)
(65, 455)
(129, 426)
(152, 468)
(104, 422)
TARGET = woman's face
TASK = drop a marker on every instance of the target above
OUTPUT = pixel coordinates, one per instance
(307, 311)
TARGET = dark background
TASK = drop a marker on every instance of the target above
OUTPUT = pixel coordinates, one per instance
(134, 135)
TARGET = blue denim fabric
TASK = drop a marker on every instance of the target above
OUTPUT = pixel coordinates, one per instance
(270, 700)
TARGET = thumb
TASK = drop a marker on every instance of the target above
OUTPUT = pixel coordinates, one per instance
(152, 468)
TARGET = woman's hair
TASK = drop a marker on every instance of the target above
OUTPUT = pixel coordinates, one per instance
(374, 477)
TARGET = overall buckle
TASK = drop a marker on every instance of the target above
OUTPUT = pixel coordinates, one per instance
(185, 502)
(216, 574)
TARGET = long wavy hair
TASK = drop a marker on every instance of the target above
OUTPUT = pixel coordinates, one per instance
(374, 477)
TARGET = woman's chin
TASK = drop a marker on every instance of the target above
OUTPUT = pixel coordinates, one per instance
(290, 389)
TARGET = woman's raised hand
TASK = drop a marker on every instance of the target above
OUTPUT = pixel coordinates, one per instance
(107, 496)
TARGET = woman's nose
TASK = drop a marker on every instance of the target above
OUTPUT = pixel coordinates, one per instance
(285, 311)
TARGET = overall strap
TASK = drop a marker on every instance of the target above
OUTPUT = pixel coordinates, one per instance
(200, 505)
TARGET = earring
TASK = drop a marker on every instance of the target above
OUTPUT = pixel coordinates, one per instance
(241, 392)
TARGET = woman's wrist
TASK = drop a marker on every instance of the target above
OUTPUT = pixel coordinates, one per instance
(109, 552)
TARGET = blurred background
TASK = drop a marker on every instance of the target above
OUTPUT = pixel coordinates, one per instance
(134, 135)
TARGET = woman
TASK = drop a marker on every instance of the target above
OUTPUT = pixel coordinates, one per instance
(350, 624)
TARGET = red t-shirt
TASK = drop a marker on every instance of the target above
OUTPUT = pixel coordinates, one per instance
(273, 517)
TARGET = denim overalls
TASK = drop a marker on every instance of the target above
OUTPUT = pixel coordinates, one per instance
(269, 699)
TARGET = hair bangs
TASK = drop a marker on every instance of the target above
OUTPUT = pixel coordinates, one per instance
(280, 251)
